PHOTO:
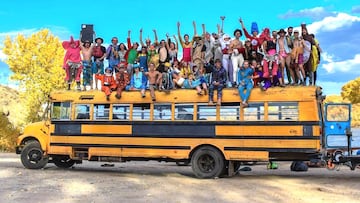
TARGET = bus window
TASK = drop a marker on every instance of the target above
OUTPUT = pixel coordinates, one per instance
(101, 111)
(283, 111)
(141, 112)
(338, 113)
(162, 112)
(230, 111)
(184, 112)
(205, 112)
(61, 111)
(121, 112)
(82, 111)
(255, 112)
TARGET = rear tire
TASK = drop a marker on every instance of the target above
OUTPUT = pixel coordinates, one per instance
(32, 156)
(207, 162)
(63, 162)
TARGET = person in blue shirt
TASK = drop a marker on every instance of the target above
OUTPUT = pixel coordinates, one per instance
(244, 79)
(138, 80)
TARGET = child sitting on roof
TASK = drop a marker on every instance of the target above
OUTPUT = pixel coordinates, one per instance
(107, 82)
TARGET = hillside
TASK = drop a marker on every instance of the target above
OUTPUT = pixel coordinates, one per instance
(355, 112)
(11, 102)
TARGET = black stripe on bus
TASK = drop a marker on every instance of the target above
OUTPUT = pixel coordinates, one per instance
(193, 136)
(174, 130)
(303, 150)
(235, 123)
(120, 146)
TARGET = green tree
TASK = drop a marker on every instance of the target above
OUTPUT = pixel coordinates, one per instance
(351, 91)
(36, 62)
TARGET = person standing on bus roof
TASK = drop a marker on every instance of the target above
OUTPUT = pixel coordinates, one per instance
(218, 81)
(107, 82)
(122, 79)
(245, 82)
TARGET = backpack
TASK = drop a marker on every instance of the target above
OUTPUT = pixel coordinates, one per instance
(97, 52)
(298, 166)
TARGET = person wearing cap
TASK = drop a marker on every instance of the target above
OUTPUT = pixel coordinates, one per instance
(218, 81)
(283, 52)
(138, 81)
(99, 54)
(86, 50)
(122, 80)
(72, 61)
(198, 55)
(107, 82)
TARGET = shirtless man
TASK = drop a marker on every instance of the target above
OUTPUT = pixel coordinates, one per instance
(155, 79)
(283, 50)
(237, 58)
(86, 50)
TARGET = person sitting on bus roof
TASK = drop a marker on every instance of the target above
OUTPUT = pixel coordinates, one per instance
(138, 81)
(107, 82)
(155, 79)
(218, 81)
(245, 82)
(122, 79)
(166, 78)
(192, 83)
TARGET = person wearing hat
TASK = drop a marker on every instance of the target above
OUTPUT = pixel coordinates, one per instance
(72, 58)
(122, 79)
(99, 54)
(255, 40)
(138, 81)
(283, 51)
(198, 55)
(107, 82)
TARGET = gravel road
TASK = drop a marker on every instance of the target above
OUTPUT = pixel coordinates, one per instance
(165, 182)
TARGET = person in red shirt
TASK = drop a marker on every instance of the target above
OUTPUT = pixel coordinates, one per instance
(108, 83)
(255, 40)
(72, 61)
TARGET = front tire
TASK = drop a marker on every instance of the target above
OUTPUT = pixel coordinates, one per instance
(32, 156)
(207, 162)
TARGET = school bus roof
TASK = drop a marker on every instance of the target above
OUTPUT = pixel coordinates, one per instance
(297, 93)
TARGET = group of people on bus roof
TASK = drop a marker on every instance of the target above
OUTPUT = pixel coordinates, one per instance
(209, 62)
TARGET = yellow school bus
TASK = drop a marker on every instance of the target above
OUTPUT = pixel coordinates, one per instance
(279, 124)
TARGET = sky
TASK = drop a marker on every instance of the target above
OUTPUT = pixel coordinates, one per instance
(335, 23)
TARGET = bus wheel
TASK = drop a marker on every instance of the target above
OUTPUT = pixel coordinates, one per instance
(32, 156)
(63, 162)
(207, 162)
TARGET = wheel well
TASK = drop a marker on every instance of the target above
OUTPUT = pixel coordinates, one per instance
(205, 145)
(28, 139)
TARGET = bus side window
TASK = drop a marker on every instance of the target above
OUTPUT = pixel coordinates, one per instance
(206, 112)
(101, 111)
(184, 112)
(283, 111)
(82, 111)
(141, 112)
(162, 112)
(121, 111)
(61, 111)
(255, 112)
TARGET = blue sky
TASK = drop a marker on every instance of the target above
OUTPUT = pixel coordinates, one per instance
(336, 24)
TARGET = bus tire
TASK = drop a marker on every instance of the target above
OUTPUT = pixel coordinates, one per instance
(207, 162)
(63, 162)
(32, 156)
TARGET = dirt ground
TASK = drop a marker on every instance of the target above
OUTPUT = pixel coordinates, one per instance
(165, 182)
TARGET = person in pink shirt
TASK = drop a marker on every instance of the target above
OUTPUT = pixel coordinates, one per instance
(72, 61)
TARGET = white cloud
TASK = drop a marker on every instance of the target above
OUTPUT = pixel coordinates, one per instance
(351, 65)
(332, 23)
(315, 13)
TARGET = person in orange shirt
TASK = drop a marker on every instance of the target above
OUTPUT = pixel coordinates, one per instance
(107, 82)
(122, 79)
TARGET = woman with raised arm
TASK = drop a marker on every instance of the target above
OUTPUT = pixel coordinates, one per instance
(172, 48)
(186, 44)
